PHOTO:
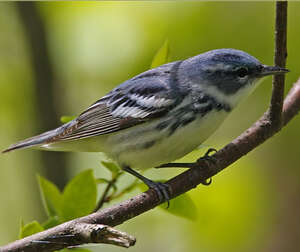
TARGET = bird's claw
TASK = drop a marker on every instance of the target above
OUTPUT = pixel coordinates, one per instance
(207, 157)
(207, 182)
(162, 190)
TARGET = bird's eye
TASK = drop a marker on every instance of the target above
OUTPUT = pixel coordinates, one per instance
(242, 72)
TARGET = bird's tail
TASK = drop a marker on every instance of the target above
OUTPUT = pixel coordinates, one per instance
(38, 140)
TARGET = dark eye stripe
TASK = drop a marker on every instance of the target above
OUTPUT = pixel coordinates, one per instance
(242, 72)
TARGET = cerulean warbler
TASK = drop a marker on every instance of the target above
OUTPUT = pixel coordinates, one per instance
(162, 114)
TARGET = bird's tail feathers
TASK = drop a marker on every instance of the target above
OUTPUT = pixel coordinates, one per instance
(38, 140)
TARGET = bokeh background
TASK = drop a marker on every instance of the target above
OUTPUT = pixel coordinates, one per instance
(58, 58)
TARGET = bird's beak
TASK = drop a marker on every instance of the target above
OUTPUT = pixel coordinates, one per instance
(270, 70)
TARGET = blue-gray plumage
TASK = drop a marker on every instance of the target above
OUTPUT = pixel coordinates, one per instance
(162, 114)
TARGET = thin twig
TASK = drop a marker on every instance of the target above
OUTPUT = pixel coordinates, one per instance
(127, 189)
(104, 196)
(276, 103)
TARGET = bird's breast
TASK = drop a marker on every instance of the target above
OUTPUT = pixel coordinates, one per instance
(162, 140)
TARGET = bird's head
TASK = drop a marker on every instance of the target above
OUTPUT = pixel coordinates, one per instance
(232, 73)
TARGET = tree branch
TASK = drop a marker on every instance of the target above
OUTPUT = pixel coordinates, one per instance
(75, 234)
(202, 170)
(104, 196)
(279, 60)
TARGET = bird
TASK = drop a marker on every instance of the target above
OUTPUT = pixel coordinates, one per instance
(161, 114)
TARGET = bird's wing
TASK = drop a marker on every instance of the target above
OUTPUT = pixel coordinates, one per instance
(138, 100)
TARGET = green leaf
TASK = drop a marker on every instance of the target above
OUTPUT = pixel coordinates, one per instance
(112, 167)
(29, 229)
(143, 187)
(51, 196)
(162, 55)
(102, 181)
(65, 119)
(182, 206)
(51, 222)
(79, 196)
(22, 224)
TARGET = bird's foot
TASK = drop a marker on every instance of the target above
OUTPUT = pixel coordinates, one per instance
(162, 190)
(208, 158)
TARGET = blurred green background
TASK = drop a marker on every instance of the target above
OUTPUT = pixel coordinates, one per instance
(90, 48)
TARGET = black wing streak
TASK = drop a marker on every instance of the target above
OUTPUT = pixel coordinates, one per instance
(99, 119)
